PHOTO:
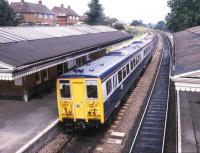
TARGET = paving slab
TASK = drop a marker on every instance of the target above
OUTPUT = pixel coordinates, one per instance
(190, 122)
(20, 122)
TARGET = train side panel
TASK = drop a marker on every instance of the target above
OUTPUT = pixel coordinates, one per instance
(121, 90)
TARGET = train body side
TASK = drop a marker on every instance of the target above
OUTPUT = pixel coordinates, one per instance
(112, 101)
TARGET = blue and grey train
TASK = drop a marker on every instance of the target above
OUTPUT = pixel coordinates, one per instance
(89, 94)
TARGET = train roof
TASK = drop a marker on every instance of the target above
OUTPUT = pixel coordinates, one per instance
(102, 66)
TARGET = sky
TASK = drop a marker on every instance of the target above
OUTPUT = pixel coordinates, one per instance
(150, 11)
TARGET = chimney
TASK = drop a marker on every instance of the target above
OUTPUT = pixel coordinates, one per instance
(22, 1)
(62, 5)
(40, 2)
(69, 7)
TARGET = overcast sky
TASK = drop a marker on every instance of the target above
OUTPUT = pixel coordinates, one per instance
(124, 10)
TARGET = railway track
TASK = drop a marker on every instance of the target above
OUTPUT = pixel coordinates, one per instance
(150, 135)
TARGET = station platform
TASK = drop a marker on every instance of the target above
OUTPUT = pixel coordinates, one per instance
(20, 122)
(188, 122)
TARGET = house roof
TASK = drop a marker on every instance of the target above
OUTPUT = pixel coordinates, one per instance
(26, 7)
(39, 44)
(62, 11)
(187, 51)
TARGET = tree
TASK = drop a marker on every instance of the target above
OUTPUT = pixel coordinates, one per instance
(184, 14)
(118, 25)
(161, 26)
(109, 21)
(7, 15)
(137, 23)
(95, 15)
(151, 25)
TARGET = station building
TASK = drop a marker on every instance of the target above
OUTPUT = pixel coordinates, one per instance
(31, 58)
(186, 77)
(186, 69)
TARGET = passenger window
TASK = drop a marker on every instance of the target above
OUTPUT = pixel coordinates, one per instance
(119, 76)
(124, 72)
(91, 87)
(108, 86)
(134, 62)
(127, 69)
(114, 81)
(132, 65)
(65, 89)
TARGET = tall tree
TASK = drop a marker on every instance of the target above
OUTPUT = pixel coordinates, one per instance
(184, 14)
(7, 15)
(95, 14)
(137, 23)
(160, 26)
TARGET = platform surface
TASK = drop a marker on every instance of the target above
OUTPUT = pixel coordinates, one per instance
(190, 122)
(20, 122)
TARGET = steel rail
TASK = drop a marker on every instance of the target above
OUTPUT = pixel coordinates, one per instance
(149, 101)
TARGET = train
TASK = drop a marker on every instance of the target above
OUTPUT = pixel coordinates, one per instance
(88, 95)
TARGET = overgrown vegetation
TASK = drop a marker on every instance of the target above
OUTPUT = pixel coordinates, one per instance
(95, 14)
(184, 14)
(137, 23)
(7, 15)
(161, 26)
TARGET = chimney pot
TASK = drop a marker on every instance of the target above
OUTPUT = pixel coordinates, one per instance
(62, 5)
(69, 6)
(22, 1)
(40, 2)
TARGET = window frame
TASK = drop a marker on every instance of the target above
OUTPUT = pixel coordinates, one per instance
(120, 79)
(69, 89)
(110, 88)
(40, 78)
(131, 65)
(124, 72)
(127, 69)
(47, 75)
(87, 91)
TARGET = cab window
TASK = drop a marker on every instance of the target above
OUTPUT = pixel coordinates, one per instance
(65, 89)
(91, 87)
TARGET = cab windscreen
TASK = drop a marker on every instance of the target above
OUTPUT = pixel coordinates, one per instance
(91, 86)
(65, 89)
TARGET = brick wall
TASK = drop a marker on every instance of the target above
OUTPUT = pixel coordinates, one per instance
(31, 18)
(62, 21)
(9, 90)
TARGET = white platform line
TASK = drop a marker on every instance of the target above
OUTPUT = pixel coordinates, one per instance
(37, 137)
(179, 123)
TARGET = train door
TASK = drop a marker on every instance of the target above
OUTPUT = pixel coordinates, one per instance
(78, 97)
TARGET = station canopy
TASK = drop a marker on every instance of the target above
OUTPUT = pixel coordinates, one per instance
(186, 72)
(24, 48)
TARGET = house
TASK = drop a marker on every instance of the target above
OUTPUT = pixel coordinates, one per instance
(33, 14)
(31, 58)
(65, 16)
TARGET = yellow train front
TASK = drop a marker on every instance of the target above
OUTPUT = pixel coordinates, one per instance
(88, 95)
(80, 102)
